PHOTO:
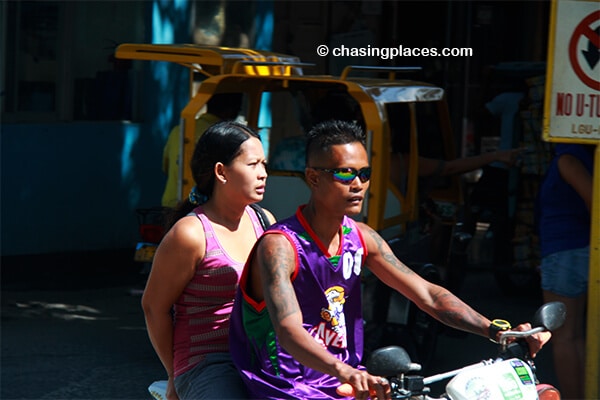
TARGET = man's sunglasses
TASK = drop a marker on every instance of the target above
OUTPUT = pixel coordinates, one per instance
(347, 175)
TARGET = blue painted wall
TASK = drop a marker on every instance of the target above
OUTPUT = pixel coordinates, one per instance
(75, 186)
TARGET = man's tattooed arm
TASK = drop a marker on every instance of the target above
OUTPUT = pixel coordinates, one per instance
(450, 310)
(431, 298)
(276, 262)
(384, 251)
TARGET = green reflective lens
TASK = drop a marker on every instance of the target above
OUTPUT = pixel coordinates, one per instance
(347, 175)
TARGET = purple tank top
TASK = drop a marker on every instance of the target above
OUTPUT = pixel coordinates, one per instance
(328, 290)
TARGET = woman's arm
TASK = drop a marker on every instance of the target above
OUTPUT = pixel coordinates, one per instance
(173, 267)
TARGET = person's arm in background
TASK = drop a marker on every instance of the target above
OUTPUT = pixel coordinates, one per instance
(574, 173)
(429, 166)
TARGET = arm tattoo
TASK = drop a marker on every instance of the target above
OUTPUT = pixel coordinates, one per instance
(452, 311)
(445, 307)
(277, 264)
(384, 249)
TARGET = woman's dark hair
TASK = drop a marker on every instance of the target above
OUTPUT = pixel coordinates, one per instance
(221, 142)
(332, 132)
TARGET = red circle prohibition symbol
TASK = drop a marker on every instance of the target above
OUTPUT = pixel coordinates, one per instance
(584, 30)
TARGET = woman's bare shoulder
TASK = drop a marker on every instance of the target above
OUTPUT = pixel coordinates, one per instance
(188, 231)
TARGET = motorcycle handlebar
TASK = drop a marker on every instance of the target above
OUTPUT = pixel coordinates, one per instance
(394, 362)
(506, 335)
(347, 390)
(439, 377)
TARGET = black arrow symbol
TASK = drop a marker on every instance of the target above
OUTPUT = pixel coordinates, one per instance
(592, 54)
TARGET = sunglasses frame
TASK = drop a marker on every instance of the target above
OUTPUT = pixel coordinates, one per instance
(360, 173)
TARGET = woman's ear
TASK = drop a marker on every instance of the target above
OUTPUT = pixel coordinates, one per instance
(220, 175)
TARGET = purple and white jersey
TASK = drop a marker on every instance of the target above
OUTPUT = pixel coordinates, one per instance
(328, 290)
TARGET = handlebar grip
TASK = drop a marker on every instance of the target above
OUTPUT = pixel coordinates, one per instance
(347, 390)
(517, 349)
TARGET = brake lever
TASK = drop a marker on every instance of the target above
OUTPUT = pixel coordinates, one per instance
(518, 348)
(506, 335)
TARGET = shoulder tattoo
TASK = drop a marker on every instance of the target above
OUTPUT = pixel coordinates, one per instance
(386, 252)
(277, 264)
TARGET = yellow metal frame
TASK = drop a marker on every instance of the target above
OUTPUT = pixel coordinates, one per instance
(212, 60)
(592, 364)
(254, 72)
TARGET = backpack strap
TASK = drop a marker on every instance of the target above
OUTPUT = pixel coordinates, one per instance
(262, 216)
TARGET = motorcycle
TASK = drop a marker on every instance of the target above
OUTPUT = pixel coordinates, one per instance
(510, 375)
(158, 390)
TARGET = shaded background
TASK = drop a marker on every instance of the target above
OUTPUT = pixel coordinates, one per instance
(82, 133)
(81, 142)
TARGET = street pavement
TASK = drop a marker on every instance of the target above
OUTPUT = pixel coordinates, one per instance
(75, 344)
(87, 341)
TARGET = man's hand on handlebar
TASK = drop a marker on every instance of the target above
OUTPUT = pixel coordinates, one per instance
(535, 341)
(361, 385)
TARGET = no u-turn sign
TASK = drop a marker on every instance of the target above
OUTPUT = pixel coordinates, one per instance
(572, 103)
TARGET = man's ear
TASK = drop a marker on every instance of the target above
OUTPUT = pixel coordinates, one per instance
(311, 176)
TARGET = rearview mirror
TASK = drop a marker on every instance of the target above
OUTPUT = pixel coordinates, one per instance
(390, 361)
(551, 315)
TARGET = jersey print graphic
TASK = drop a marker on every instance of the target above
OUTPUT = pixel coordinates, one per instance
(332, 331)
